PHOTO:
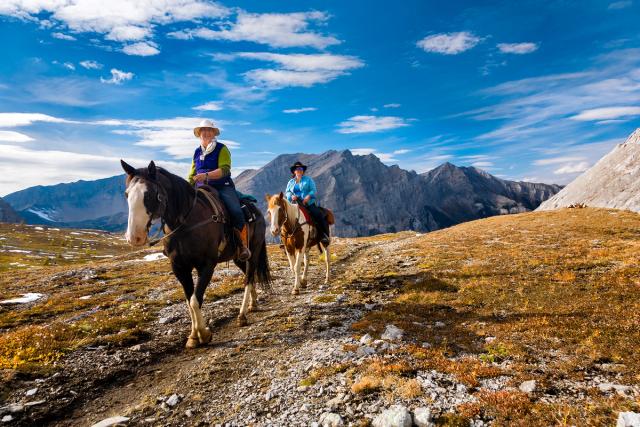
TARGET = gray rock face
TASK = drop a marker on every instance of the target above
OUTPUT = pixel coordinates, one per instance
(613, 182)
(395, 416)
(7, 213)
(369, 197)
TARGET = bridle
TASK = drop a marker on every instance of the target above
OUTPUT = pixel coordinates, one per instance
(282, 205)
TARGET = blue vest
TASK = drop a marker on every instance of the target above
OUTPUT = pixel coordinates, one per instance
(209, 164)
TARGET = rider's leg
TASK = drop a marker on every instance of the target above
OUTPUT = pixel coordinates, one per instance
(230, 199)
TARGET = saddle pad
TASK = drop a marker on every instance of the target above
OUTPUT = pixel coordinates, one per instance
(307, 215)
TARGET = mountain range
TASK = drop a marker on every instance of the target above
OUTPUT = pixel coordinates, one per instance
(367, 196)
(7, 213)
(613, 182)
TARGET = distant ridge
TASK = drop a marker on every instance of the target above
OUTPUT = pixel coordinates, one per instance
(7, 213)
(367, 196)
(613, 182)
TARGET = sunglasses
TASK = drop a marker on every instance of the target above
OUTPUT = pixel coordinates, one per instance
(299, 169)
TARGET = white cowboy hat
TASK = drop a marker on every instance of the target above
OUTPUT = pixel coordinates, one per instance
(205, 124)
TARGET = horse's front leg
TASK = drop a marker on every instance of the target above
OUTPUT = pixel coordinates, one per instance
(303, 280)
(327, 262)
(196, 300)
(183, 275)
(296, 272)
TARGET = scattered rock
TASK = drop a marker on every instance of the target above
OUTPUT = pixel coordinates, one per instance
(618, 388)
(7, 419)
(188, 413)
(365, 350)
(112, 421)
(330, 419)
(395, 416)
(172, 400)
(392, 333)
(528, 386)
(366, 339)
(422, 417)
(31, 392)
(439, 324)
(628, 419)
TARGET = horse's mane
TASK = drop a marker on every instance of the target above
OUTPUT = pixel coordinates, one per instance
(179, 193)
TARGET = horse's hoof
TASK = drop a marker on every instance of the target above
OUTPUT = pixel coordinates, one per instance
(303, 284)
(253, 307)
(191, 343)
(242, 320)
(295, 292)
(205, 336)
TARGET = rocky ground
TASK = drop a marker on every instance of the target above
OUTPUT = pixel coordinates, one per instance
(300, 362)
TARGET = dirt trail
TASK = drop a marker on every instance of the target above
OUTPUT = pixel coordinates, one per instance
(209, 381)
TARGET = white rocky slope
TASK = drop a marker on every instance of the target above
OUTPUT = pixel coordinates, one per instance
(613, 182)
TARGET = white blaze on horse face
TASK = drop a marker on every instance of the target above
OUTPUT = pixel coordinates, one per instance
(136, 234)
(275, 230)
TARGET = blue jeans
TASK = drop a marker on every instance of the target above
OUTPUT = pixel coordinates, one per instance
(230, 199)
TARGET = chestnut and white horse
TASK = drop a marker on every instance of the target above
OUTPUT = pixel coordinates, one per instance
(298, 237)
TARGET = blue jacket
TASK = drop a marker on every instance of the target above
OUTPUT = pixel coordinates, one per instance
(304, 188)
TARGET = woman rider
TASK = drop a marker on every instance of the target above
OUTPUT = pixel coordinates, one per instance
(302, 189)
(211, 165)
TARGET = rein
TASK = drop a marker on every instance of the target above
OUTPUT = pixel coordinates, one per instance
(212, 218)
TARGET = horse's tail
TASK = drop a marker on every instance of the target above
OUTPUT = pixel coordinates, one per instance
(262, 269)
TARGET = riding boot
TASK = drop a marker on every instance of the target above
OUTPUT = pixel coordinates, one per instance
(243, 245)
(324, 234)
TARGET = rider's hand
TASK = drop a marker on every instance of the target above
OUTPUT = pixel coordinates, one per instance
(294, 197)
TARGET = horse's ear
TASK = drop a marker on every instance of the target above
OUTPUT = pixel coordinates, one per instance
(152, 170)
(130, 170)
(281, 196)
(267, 197)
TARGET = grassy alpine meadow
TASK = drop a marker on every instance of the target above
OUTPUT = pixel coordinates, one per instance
(547, 296)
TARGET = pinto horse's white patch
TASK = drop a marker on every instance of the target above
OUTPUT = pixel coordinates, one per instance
(139, 218)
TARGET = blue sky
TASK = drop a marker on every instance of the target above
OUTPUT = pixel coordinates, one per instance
(527, 90)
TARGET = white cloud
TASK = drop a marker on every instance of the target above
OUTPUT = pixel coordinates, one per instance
(69, 66)
(449, 43)
(210, 106)
(128, 33)
(305, 62)
(401, 151)
(55, 166)
(367, 124)
(118, 20)
(482, 165)
(607, 113)
(62, 36)
(273, 29)
(392, 105)
(91, 65)
(299, 110)
(26, 119)
(173, 136)
(572, 168)
(277, 79)
(518, 48)
(141, 49)
(295, 69)
(11, 136)
(117, 77)
(617, 5)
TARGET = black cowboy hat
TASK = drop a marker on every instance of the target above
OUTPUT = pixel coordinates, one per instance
(298, 165)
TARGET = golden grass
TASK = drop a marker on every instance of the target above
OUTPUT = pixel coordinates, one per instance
(555, 288)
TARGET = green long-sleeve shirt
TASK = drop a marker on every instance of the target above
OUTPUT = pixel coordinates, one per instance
(224, 163)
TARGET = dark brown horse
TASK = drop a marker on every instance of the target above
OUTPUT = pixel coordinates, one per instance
(195, 238)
